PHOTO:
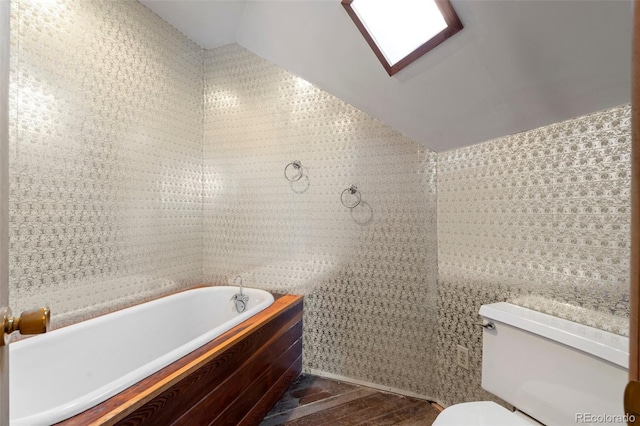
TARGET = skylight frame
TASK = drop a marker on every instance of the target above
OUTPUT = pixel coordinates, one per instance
(453, 26)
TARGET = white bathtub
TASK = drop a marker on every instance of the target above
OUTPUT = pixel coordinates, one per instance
(62, 373)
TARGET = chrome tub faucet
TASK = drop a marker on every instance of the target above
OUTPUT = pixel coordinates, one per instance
(240, 299)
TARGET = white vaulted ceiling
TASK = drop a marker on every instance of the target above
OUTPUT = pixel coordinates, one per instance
(516, 65)
(210, 23)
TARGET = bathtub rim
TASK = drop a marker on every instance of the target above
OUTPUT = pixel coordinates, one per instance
(57, 324)
(122, 383)
(119, 406)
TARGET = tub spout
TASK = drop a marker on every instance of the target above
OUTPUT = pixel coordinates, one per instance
(240, 299)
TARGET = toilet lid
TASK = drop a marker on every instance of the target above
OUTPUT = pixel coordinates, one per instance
(480, 414)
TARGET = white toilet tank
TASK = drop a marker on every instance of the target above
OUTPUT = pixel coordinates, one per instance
(556, 371)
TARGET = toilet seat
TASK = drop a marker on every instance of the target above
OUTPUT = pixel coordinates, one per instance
(481, 413)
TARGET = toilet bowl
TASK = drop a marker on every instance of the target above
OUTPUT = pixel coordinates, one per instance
(554, 371)
(482, 413)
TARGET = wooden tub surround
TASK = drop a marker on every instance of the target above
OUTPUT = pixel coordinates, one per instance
(233, 380)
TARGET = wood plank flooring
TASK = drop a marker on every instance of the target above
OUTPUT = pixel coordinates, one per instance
(316, 401)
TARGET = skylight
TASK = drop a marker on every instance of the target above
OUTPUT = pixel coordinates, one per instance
(400, 31)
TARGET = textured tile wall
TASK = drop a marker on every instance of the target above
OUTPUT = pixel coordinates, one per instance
(540, 219)
(369, 274)
(106, 157)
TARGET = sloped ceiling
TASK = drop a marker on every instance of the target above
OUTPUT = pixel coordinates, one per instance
(515, 66)
(210, 23)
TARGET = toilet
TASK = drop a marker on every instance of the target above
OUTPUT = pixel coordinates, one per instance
(554, 371)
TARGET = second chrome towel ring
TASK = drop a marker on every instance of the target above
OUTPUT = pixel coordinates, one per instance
(357, 197)
(295, 165)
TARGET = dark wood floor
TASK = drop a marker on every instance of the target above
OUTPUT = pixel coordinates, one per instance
(313, 401)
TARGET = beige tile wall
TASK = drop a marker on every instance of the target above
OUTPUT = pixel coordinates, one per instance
(540, 219)
(369, 274)
(106, 146)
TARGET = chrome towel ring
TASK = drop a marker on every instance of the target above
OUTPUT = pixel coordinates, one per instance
(297, 165)
(353, 190)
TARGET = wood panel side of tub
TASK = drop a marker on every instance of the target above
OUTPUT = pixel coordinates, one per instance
(237, 376)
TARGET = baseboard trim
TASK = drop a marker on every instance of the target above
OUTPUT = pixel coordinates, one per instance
(390, 389)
